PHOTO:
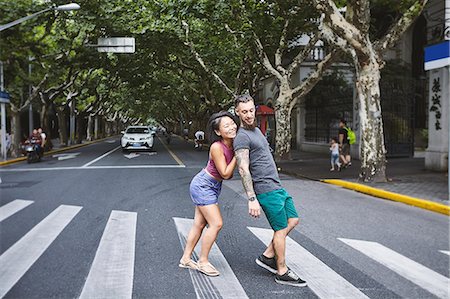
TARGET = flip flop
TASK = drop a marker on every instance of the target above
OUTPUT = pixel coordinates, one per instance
(188, 265)
(208, 269)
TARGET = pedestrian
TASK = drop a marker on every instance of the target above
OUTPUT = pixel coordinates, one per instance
(43, 137)
(205, 189)
(344, 144)
(263, 188)
(334, 149)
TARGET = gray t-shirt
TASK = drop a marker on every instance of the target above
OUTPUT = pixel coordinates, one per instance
(262, 166)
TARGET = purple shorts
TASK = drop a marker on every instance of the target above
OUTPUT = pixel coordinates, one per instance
(205, 189)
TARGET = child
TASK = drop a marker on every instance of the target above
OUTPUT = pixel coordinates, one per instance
(334, 148)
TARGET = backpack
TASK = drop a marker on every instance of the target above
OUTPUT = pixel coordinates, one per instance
(351, 136)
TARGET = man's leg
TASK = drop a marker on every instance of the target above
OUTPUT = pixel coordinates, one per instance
(279, 246)
(270, 252)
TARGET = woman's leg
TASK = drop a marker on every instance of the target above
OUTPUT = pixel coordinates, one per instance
(194, 234)
(214, 219)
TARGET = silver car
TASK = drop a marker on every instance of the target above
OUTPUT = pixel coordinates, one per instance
(137, 138)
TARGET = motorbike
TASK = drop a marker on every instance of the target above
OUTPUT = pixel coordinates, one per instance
(33, 152)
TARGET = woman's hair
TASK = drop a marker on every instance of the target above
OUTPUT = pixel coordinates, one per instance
(334, 139)
(214, 123)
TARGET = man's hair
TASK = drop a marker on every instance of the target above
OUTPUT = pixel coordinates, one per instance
(243, 98)
(214, 123)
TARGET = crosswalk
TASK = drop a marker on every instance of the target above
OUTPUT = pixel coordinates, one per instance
(111, 273)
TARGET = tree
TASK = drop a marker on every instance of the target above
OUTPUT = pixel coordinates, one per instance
(352, 34)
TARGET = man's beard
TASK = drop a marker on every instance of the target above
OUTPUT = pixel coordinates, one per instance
(249, 127)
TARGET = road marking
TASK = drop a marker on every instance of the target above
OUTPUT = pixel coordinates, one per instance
(92, 168)
(321, 279)
(172, 153)
(101, 157)
(445, 252)
(226, 285)
(65, 156)
(110, 141)
(424, 277)
(111, 273)
(21, 256)
(13, 207)
(131, 155)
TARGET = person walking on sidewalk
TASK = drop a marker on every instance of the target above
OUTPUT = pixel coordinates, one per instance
(205, 188)
(344, 144)
(263, 188)
(334, 149)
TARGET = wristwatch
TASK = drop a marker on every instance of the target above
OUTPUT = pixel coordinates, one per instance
(252, 198)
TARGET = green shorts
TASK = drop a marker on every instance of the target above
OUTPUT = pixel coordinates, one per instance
(278, 207)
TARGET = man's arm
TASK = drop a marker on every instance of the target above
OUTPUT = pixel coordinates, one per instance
(243, 162)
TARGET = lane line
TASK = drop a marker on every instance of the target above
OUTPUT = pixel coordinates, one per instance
(13, 207)
(226, 285)
(175, 157)
(445, 252)
(321, 279)
(101, 157)
(16, 261)
(422, 276)
(92, 168)
(111, 273)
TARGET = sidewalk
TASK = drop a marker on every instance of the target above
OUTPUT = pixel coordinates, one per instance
(407, 175)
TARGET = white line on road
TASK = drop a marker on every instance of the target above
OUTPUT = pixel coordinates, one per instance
(226, 284)
(321, 279)
(445, 252)
(422, 276)
(21, 256)
(111, 273)
(101, 157)
(91, 168)
(13, 207)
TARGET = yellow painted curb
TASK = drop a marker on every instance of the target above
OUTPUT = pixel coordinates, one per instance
(12, 161)
(417, 202)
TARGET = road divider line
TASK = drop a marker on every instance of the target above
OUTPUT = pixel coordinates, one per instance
(417, 202)
(101, 157)
(16, 261)
(321, 279)
(111, 273)
(420, 275)
(175, 157)
(13, 207)
(226, 285)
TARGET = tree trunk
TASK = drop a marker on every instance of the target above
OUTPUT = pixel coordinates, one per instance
(373, 152)
(16, 134)
(283, 123)
(45, 123)
(62, 123)
(79, 128)
(90, 128)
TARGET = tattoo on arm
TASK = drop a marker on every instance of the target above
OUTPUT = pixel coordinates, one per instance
(243, 161)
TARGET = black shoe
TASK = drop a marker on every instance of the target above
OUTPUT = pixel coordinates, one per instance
(269, 264)
(290, 278)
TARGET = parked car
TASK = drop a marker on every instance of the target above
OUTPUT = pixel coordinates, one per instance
(137, 138)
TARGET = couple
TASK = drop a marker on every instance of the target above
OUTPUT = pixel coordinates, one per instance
(247, 148)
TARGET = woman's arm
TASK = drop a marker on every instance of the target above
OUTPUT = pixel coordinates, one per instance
(225, 171)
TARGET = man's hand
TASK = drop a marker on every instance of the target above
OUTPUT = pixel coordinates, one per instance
(254, 209)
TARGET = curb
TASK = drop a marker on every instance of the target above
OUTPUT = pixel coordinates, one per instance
(16, 160)
(417, 202)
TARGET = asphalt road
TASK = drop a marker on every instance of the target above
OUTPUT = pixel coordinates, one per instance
(96, 222)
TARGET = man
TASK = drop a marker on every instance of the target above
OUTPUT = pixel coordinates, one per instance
(199, 138)
(43, 137)
(344, 144)
(263, 188)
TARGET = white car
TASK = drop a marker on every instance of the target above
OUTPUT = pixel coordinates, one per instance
(137, 138)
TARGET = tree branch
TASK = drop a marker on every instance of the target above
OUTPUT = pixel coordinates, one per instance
(303, 54)
(264, 59)
(358, 13)
(281, 48)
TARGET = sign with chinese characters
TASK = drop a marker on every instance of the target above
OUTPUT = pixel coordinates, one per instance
(436, 106)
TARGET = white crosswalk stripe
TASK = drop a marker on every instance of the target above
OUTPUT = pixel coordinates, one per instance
(13, 207)
(111, 273)
(226, 285)
(424, 277)
(445, 252)
(22, 255)
(321, 279)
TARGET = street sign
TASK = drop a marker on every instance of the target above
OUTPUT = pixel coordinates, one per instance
(116, 44)
(4, 97)
(437, 56)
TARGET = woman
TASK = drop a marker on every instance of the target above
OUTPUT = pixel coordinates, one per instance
(205, 189)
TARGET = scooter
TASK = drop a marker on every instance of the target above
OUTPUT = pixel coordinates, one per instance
(34, 154)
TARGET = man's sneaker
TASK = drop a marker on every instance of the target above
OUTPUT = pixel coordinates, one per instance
(269, 264)
(290, 278)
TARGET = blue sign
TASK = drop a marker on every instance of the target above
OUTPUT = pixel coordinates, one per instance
(437, 56)
(4, 97)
